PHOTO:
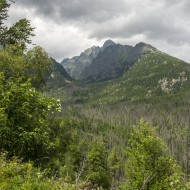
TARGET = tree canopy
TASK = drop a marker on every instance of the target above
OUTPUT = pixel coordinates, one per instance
(25, 112)
(149, 166)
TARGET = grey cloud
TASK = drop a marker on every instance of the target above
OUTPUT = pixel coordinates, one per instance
(161, 23)
(163, 20)
(97, 17)
(77, 10)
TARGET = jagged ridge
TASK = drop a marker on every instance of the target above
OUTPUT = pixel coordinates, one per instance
(114, 60)
(76, 65)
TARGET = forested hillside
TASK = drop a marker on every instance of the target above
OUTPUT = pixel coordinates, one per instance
(129, 133)
(156, 88)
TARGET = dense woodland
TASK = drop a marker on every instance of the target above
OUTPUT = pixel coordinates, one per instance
(73, 136)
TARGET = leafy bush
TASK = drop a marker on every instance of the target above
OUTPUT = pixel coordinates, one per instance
(24, 113)
(149, 166)
(16, 175)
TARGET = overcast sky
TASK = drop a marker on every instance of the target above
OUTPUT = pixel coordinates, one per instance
(65, 28)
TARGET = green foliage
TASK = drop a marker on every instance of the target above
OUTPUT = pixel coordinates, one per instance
(148, 165)
(35, 65)
(115, 166)
(16, 175)
(24, 130)
(75, 151)
(97, 168)
(38, 66)
(26, 114)
(19, 34)
(4, 5)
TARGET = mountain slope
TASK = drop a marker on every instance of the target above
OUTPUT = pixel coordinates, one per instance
(155, 75)
(58, 76)
(109, 64)
(126, 73)
(114, 60)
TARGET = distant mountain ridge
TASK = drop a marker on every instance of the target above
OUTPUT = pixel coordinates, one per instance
(77, 64)
(114, 60)
(121, 73)
(107, 62)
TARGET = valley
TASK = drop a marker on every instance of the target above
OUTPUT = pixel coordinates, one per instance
(155, 87)
(115, 116)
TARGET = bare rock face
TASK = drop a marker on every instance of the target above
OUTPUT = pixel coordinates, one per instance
(76, 65)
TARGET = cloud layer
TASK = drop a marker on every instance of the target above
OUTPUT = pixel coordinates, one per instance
(67, 27)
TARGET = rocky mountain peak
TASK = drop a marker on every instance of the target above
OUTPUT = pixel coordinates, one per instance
(106, 62)
(108, 43)
(77, 64)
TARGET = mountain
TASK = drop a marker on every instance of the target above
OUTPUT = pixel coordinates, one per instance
(121, 73)
(77, 64)
(108, 43)
(114, 60)
(156, 77)
(148, 83)
(58, 76)
(109, 64)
